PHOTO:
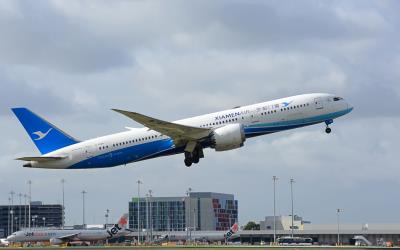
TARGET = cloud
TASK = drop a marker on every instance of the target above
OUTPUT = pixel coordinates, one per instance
(19, 93)
(40, 35)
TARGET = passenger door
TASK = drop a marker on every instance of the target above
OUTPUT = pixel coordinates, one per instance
(88, 151)
(318, 103)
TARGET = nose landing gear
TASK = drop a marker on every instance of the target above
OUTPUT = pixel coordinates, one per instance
(328, 129)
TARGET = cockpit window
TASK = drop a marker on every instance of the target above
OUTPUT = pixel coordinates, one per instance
(335, 99)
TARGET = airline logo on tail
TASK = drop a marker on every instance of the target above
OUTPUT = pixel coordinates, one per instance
(232, 231)
(123, 221)
(41, 135)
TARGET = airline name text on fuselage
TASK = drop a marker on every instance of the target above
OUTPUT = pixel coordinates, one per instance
(232, 115)
(113, 231)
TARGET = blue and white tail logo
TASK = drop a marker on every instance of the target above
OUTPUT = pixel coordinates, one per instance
(45, 135)
(41, 135)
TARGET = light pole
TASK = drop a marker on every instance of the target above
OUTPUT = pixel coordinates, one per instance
(194, 221)
(147, 217)
(105, 226)
(189, 214)
(9, 216)
(138, 213)
(151, 214)
(34, 217)
(83, 208)
(338, 223)
(63, 204)
(29, 204)
(274, 178)
(20, 206)
(12, 220)
(291, 195)
(12, 197)
(44, 221)
(106, 215)
(25, 196)
(12, 211)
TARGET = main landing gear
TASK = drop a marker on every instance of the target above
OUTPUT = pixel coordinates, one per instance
(328, 129)
(194, 156)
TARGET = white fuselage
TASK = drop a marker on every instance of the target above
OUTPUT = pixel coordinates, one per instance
(46, 235)
(141, 143)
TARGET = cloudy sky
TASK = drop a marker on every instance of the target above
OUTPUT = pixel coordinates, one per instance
(72, 61)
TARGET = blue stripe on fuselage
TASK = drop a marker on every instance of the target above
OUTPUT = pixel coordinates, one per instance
(126, 155)
(266, 128)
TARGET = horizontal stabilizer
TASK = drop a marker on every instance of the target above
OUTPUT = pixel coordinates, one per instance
(41, 158)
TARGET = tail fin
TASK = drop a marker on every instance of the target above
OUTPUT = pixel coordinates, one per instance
(123, 221)
(232, 231)
(45, 135)
(119, 228)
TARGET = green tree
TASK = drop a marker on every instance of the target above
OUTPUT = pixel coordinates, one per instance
(251, 225)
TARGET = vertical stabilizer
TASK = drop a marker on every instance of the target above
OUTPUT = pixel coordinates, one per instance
(123, 221)
(45, 135)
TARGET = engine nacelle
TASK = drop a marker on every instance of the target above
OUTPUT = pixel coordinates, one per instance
(228, 137)
(55, 241)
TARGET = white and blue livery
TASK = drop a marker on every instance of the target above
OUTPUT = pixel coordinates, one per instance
(221, 131)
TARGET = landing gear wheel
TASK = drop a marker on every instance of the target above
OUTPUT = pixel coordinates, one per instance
(188, 162)
(328, 130)
(194, 155)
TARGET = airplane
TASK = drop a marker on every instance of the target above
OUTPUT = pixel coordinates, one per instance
(210, 236)
(61, 236)
(222, 131)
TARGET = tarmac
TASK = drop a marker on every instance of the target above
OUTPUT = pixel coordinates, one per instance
(202, 247)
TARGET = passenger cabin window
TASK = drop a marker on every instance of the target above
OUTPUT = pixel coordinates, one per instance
(335, 99)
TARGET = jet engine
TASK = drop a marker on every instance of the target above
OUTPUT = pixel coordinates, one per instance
(55, 241)
(228, 137)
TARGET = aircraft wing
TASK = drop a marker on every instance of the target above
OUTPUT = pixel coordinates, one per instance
(67, 237)
(177, 132)
(41, 158)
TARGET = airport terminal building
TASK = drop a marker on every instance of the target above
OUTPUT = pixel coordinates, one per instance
(323, 234)
(197, 211)
(376, 234)
(15, 217)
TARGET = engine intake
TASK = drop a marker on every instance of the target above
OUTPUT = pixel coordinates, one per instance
(55, 241)
(228, 137)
